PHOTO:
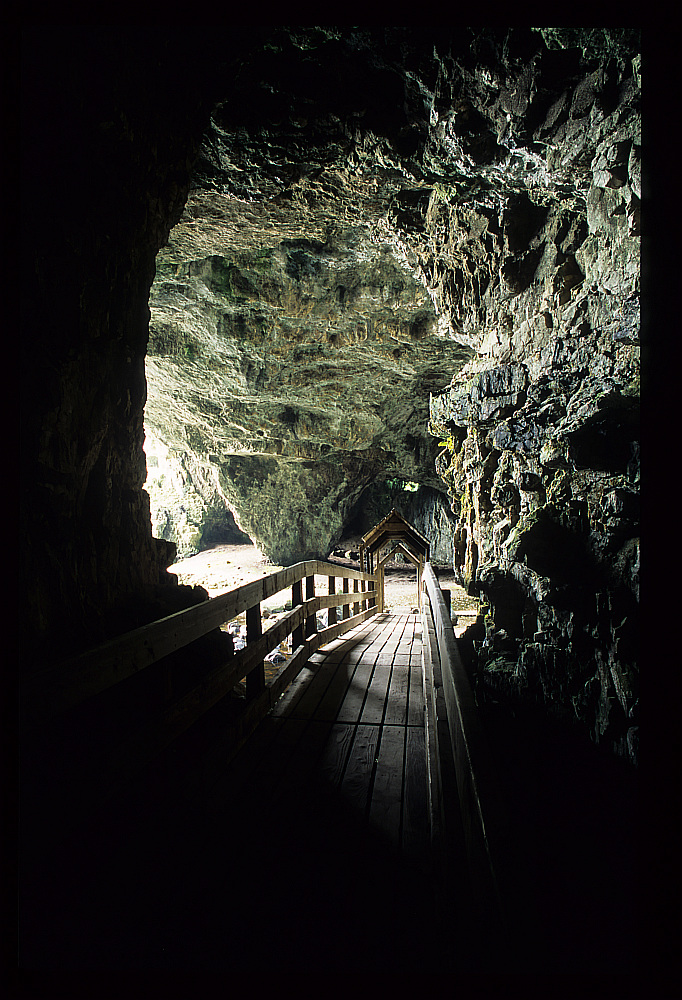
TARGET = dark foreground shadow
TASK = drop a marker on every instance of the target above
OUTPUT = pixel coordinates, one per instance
(265, 886)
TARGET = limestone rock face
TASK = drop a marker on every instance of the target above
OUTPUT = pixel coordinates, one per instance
(187, 509)
(542, 429)
(293, 379)
(352, 225)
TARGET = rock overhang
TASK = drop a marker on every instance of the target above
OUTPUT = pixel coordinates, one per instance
(305, 253)
(316, 353)
(503, 172)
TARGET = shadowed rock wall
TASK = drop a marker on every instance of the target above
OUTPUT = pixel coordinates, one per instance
(541, 431)
(108, 136)
(351, 222)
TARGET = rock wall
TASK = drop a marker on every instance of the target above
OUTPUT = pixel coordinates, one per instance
(295, 374)
(541, 431)
(187, 508)
(351, 222)
(106, 157)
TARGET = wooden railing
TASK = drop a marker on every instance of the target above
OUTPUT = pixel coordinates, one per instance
(50, 694)
(461, 770)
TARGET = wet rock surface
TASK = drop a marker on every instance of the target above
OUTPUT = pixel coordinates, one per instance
(318, 240)
(350, 221)
(542, 429)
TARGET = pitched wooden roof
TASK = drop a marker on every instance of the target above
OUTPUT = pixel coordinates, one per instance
(392, 526)
(390, 550)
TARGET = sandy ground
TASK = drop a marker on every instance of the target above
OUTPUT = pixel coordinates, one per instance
(227, 566)
(400, 594)
(223, 568)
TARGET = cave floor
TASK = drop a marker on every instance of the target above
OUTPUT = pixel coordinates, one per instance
(311, 845)
(310, 849)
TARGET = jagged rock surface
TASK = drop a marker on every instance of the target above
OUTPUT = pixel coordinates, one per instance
(489, 223)
(291, 379)
(368, 213)
(542, 430)
(187, 508)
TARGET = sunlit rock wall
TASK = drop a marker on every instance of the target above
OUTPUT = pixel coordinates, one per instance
(542, 429)
(348, 219)
(291, 379)
(188, 508)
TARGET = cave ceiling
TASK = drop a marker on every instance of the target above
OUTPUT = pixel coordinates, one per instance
(381, 254)
(367, 216)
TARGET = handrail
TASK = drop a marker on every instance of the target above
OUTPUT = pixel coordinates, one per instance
(485, 824)
(175, 719)
(61, 686)
(56, 702)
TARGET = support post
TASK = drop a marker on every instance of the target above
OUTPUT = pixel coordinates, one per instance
(297, 637)
(331, 612)
(311, 620)
(345, 613)
(255, 679)
(356, 588)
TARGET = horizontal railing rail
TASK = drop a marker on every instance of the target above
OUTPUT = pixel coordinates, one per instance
(92, 725)
(176, 718)
(461, 745)
(55, 689)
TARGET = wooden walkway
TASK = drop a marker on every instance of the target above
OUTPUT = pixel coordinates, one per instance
(354, 723)
(308, 850)
(332, 798)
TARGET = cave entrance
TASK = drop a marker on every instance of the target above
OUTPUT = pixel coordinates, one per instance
(283, 369)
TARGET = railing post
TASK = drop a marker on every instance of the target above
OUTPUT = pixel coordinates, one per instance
(346, 607)
(255, 679)
(311, 620)
(356, 588)
(331, 612)
(363, 588)
(297, 637)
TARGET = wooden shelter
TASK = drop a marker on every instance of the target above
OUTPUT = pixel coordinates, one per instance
(392, 534)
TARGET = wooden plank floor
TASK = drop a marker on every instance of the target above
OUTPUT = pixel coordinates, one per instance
(331, 795)
(309, 850)
(353, 724)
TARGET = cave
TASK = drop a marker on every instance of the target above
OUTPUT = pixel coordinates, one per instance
(304, 267)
